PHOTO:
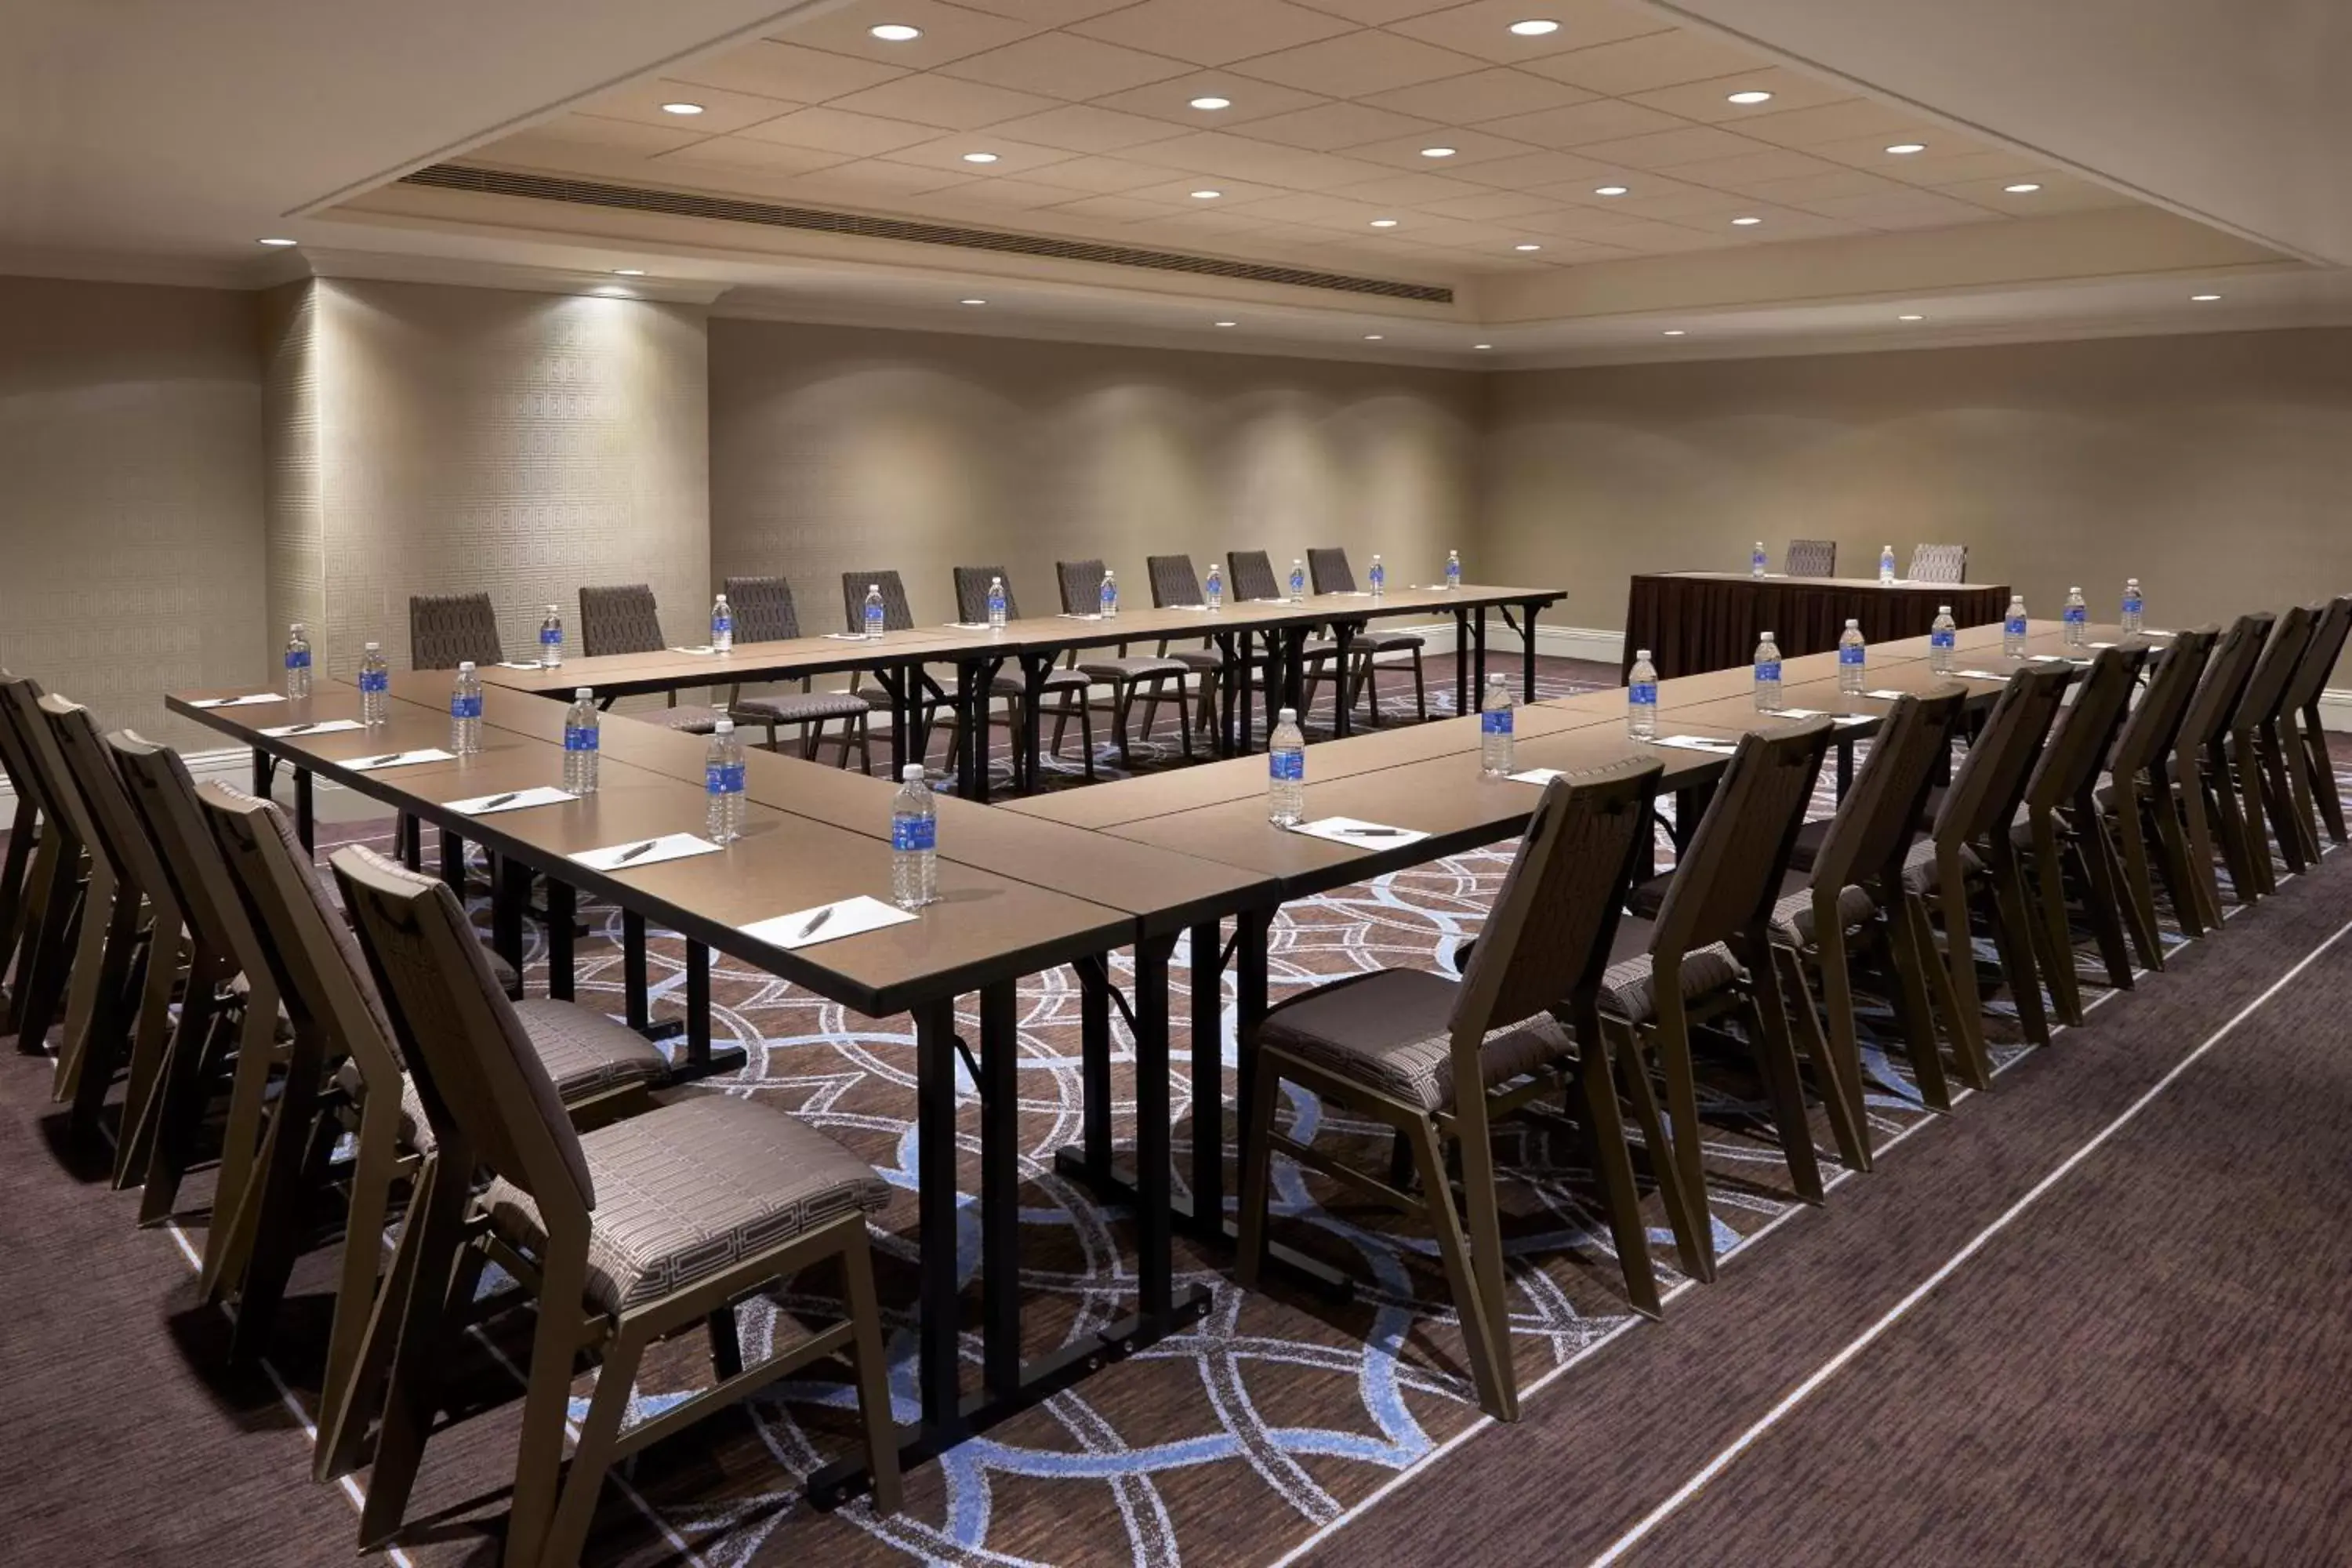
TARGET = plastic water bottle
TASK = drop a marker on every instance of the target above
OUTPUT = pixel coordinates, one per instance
(2013, 627)
(551, 639)
(914, 842)
(1756, 560)
(1286, 771)
(1213, 592)
(298, 661)
(1380, 579)
(996, 603)
(1942, 638)
(580, 743)
(722, 625)
(2076, 619)
(1767, 675)
(1109, 596)
(1886, 565)
(1494, 738)
(722, 785)
(1642, 699)
(1852, 655)
(874, 612)
(375, 687)
(1454, 568)
(466, 711)
(2133, 606)
(1297, 582)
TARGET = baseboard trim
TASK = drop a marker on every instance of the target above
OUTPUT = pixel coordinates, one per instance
(1593, 643)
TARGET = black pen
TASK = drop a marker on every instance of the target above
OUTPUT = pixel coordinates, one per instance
(1373, 832)
(633, 850)
(301, 729)
(379, 762)
(497, 800)
(810, 930)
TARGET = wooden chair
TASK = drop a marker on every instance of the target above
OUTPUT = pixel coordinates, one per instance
(1174, 583)
(1809, 558)
(1708, 955)
(764, 613)
(2209, 803)
(24, 872)
(1437, 1060)
(66, 880)
(2258, 752)
(2311, 771)
(1938, 563)
(446, 630)
(1126, 675)
(1332, 575)
(1065, 689)
(2140, 804)
(624, 619)
(627, 1235)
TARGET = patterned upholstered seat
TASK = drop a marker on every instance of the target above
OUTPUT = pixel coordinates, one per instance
(624, 619)
(1629, 988)
(1792, 917)
(686, 1190)
(1387, 1030)
(764, 613)
(1330, 572)
(1919, 872)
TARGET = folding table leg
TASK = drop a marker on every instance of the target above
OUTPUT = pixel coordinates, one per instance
(561, 925)
(1208, 1078)
(1155, 1260)
(938, 1371)
(1000, 1188)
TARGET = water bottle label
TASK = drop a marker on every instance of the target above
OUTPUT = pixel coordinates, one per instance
(722, 625)
(465, 706)
(579, 738)
(297, 658)
(723, 778)
(2014, 626)
(874, 620)
(914, 832)
(1852, 655)
(1644, 693)
(1768, 670)
(1109, 597)
(1380, 579)
(551, 636)
(1289, 765)
(1943, 640)
(375, 680)
(2076, 614)
(1497, 722)
(2132, 605)
(1297, 586)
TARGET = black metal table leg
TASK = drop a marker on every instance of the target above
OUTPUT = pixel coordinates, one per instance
(938, 1371)
(1034, 668)
(561, 921)
(1208, 1178)
(1093, 1063)
(1844, 763)
(305, 823)
(1293, 671)
(1528, 650)
(265, 767)
(1462, 662)
(452, 862)
(701, 1060)
(1478, 641)
(1343, 639)
(510, 893)
(999, 1189)
(1155, 1260)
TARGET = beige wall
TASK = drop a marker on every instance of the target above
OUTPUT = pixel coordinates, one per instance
(131, 494)
(835, 449)
(2216, 469)
(458, 440)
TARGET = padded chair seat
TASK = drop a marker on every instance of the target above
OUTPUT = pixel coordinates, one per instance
(1920, 871)
(1792, 917)
(1134, 668)
(586, 1054)
(799, 707)
(1056, 680)
(687, 718)
(1386, 1031)
(1198, 658)
(1370, 641)
(1629, 986)
(686, 1190)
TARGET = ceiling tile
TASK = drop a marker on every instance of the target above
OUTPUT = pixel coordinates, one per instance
(1745, 171)
(1179, 193)
(1480, 96)
(2058, 193)
(619, 135)
(1650, 238)
(1318, 211)
(536, 150)
(1665, 149)
(1806, 189)
(839, 130)
(1212, 31)
(1116, 209)
(1603, 119)
(1710, 101)
(1675, 202)
(1013, 196)
(1456, 232)
(1529, 170)
(1483, 28)
(1198, 229)
(1101, 176)
(870, 183)
(1470, 148)
(950, 32)
(1083, 128)
(943, 101)
(1012, 157)
(1905, 208)
(1329, 126)
(723, 111)
(1213, 152)
(1829, 122)
(1065, 66)
(1579, 223)
(1640, 65)
(1409, 190)
(742, 152)
(1489, 206)
(1354, 64)
(1928, 169)
(1045, 13)
(1173, 100)
(1870, 153)
(1377, 12)
(788, 71)
(1780, 226)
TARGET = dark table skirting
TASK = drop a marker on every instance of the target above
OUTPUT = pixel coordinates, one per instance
(1695, 624)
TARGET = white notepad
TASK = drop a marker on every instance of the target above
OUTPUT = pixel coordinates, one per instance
(1984, 674)
(1698, 743)
(1887, 694)
(702, 648)
(1538, 776)
(1359, 834)
(512, 800)
(316, 727)
(641, 852)
(519, 664)
(238, 701)
(401, 759)
(842, 917)
(849, 636)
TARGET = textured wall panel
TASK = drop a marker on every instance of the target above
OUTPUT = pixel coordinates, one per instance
(296, 503)
(131, 494)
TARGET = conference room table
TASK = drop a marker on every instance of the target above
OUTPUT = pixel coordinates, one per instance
(1696, 621)
(1267, 635)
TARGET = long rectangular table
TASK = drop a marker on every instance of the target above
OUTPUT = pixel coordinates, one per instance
(1696, 621)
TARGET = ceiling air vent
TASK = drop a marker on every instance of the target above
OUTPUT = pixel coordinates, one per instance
(815, 220)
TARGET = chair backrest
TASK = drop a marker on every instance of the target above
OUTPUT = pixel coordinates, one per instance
(2149, 734)
(1872, 829)
(896, 616)
(310, 948)
(15, 760)
(621, 618)
(444, 630)
(1252, 575)
(1081, 586)
(2226, 674)
(1330, 572)
(2266, 689)
(60, 798)
(1984, 792)
(1728, 879)
(164, 798)
(1938, 563)
(483, 1087)
(2334, 620)
(1809, 558)
(763, 609)
(1173, 581)
(971, 594)
(120, 837)
(1547, 939)
(2068, 768)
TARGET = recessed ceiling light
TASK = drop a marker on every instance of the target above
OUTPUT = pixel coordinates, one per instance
(1213, 103)
(1904, 149)
(980, 157)
(1482, 345)
(1437, 152)
(1229, 323)
(682, 108)
(1528, 247)
(2024, 189)
(971, 302)
(896, 33)
(628, 272)
(1206, 195)
(2204, 298)
(1672, 332)
(1746, 222)
(1372, 337)
(1535, 28)
(1910, 318)
(1750, 95)
(276, 244)
(1608, 190)
(1384, 222)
